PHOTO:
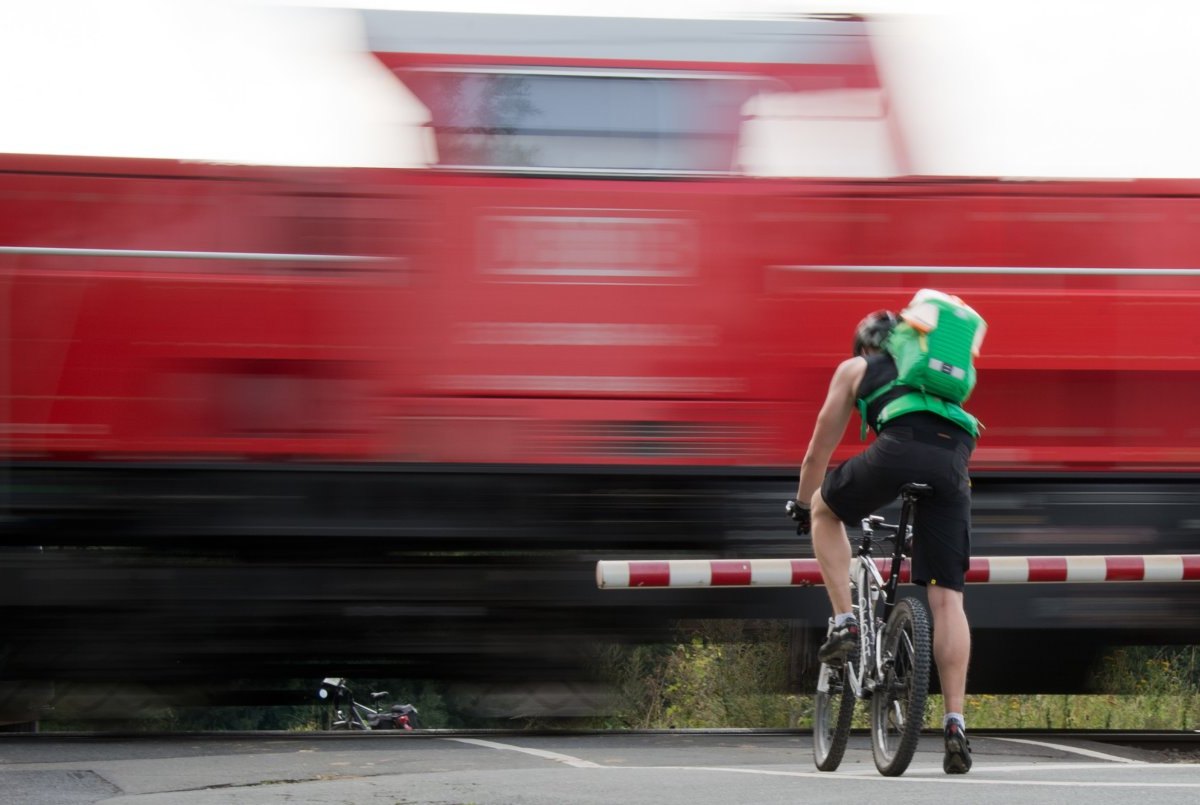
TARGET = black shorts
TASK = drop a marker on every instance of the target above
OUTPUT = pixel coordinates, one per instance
(871, 480)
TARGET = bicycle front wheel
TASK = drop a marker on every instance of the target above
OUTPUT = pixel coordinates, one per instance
(898, 704)
(833, 707)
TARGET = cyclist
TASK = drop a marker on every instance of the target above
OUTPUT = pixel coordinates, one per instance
(920, 447)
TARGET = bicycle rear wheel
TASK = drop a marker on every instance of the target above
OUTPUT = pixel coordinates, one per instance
(898, 704)
(833, 707)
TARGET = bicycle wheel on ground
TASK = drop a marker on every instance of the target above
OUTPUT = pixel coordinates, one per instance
(898, 704)
(833, 708)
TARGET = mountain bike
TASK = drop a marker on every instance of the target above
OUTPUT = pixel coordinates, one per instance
(349, 714)
(890, 667)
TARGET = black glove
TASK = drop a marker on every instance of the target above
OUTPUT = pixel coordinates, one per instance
(802, 515)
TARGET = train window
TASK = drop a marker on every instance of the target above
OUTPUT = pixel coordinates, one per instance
(586, 121)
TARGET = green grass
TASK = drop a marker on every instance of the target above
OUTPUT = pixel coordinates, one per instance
(1158, 689)
(720, 674)
(733, 674)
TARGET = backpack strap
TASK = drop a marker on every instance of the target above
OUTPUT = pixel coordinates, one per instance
(920, 401)
(863, 402)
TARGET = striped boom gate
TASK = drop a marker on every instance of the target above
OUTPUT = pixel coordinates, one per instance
(675, 573)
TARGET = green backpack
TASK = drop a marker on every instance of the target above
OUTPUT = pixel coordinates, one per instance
(934, 347)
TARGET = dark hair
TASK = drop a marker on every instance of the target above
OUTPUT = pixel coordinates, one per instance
(873, 330)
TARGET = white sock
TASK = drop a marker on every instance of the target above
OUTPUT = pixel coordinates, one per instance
(842, 617)
(962, 722)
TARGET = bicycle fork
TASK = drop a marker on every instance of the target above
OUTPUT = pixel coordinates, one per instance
(868, 591)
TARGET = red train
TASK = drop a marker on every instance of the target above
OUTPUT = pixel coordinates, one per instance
(639, 257)
(577, 282)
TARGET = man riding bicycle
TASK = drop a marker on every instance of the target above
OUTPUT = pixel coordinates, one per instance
(919, 447)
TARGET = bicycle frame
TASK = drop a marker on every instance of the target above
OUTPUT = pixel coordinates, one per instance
(358, 717)
(875, 598)
(350, 714)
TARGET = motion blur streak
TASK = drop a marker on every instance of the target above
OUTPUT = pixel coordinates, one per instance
(544, 291)
(231, 81)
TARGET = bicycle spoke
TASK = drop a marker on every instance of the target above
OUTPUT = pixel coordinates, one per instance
(907, 644)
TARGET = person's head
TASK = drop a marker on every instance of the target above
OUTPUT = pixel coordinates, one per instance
(872, 331)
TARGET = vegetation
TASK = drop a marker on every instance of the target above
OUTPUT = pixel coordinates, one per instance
(732, 674)
(721, 675)
(1159, 687)
(122, 709)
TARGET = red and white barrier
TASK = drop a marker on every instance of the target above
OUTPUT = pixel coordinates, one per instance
(619, 575)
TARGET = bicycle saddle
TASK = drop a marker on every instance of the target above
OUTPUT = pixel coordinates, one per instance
(916, 491)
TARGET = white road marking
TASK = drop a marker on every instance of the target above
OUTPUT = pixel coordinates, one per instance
(578, 763)
(1046, 765)
(971, 779)
(1072, 749)
(918, 774)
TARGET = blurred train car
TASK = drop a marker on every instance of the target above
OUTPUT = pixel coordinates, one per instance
(391, 416)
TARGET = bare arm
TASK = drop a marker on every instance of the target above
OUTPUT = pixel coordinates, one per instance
(831, 426)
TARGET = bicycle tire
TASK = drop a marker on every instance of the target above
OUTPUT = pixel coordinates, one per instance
(898, 704)
(833, 710)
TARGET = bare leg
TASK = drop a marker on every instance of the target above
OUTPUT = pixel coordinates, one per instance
(951, 644)
(833, 553)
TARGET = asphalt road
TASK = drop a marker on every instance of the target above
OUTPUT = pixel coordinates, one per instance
(676, 768)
